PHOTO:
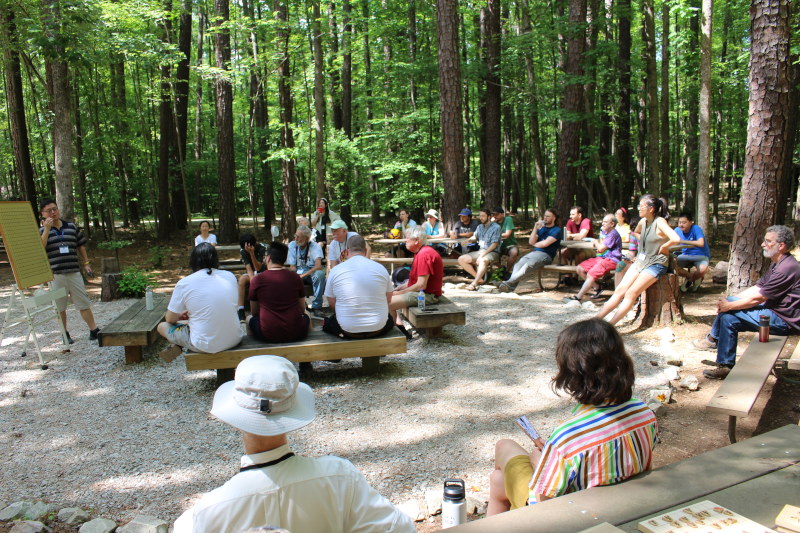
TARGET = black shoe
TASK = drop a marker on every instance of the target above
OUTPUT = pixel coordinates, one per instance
(93, 334)
(405, 332)
(69, 339)
(241, 314)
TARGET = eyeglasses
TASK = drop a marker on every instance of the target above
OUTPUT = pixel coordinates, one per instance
(50, 210)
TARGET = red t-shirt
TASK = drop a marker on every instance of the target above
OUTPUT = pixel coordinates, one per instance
(585, 224)
(277, 293)
(427, 262)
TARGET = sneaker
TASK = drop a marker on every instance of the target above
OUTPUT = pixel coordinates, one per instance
(696, 285)
(721, 372)
(706, 343)
(709, 362)
(505, 287)
(241, 314)
(685, 286)
(93, 334)
(318, 313)
(69, 339)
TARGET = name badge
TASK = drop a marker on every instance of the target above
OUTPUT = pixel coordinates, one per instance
(63, 249)
(640, 256)
(482, 244)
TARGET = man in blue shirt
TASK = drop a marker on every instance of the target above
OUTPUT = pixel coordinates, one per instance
(487, 235)
(544, 239)
(697, 256)
(305, 258)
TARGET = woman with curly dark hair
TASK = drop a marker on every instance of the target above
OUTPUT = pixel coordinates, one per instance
(609, 438)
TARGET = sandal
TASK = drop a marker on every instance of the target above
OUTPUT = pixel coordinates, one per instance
(573, 297)
(597, 294)
(472, 287)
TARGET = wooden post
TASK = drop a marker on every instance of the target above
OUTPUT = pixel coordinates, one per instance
(661, 303)
(111, 275)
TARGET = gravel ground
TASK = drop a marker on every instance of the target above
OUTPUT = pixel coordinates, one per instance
(122, 440)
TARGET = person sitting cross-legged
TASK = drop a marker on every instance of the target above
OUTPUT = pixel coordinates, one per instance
(609, 437)
(358, 291)
(487, 235)
(305, 258)
(201, 315)
(265, 402)
(278, 301)
(544, 239)
(609, 253)
(427, 272)
(776, 295)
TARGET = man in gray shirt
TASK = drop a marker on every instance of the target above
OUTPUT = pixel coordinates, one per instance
(487, 235)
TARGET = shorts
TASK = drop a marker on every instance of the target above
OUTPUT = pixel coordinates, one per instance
(489, 258)
(331, 325)
(655, 270)
(517, 476)
(686, 260)
(597, 267)
(76, 291)
(505, 249)
(179, 334)
(410, 298)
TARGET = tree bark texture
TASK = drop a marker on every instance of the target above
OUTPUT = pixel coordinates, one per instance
(664, 139)
(623, 125)
(536, 143)
(319, 103)
(166, 133)
(572, 109)
(661, 304)
(285, 100)
(225, 156)
(493, 140)
(450, 101)
(653, 178)
(180, 199)
(704, 168)
(766, 139)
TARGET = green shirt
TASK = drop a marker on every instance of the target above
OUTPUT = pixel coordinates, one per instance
(508, 224)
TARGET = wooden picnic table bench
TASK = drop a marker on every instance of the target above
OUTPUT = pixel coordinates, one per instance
(738, 392)
(318, 346)
(135, 327)
(436, 316)
(793, 363)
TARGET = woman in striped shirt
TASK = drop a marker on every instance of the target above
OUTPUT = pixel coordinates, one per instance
(609, 438)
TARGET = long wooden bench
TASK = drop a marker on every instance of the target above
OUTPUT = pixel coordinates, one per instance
(135, 327)
(793, 363)
(436, 316)
(560, 269)
(738, 392)
(318, 346)
(392, 261)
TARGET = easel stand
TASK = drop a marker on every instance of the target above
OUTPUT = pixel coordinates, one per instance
(35, 311)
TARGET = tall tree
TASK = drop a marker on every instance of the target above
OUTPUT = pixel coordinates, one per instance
(664, 110)
(651, 93)
(704, 169)
(536, 143)
(285, 101)
(766, 131)
(490, 28)
(450, 102)
(225, 155)
(166, 130)
(623, 124)
(319, 101)
(180, 199)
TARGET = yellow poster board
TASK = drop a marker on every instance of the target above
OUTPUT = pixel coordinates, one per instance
(23, 244)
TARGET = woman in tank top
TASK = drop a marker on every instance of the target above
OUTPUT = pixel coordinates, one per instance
(655, 238)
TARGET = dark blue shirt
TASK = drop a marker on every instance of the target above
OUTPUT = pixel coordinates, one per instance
(544, 232)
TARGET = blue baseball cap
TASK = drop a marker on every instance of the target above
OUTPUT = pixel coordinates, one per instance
(465, 212)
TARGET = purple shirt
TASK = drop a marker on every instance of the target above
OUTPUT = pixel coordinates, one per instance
(613, 243)
(781, 287)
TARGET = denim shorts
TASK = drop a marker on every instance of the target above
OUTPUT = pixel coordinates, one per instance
(655, 270)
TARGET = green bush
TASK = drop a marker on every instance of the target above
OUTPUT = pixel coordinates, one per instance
(158, 254)
(133, 281)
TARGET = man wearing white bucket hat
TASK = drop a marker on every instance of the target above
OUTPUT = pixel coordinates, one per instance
(274, 486)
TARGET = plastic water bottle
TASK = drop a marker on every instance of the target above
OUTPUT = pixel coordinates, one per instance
(421, 300)
(454, 503)
(148, 298)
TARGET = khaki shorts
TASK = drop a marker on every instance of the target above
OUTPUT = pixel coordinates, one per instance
(410, 299)
(489, 258)
(517, 478)
(76, 292)
(179, 334)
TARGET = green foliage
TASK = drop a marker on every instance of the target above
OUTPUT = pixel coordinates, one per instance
(113, 245)
(158, 254)
(133, 281)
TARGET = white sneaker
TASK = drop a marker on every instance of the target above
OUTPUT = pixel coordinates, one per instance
(696, 285)
(685, 286)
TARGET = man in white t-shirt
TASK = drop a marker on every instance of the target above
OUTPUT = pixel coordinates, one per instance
(358, 291)
(201, 315)
(338, 246)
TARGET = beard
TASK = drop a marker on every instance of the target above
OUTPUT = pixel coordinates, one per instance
(769, 254)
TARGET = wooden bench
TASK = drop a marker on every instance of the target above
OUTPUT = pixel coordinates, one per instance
(435, 316)
(392, 261)
(135, 327)
(793, 363)
(740, 389)
(318, 346)
(560, 269)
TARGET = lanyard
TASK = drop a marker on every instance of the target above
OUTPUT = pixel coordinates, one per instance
(302, 258)
(268, 463)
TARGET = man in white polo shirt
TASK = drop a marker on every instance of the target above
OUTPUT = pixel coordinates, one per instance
(359, 291)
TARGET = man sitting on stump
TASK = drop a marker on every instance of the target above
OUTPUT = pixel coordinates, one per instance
(358, 291)
(776, 295)
(427, 272)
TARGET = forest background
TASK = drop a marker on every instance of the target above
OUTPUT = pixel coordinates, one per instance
(129, 111)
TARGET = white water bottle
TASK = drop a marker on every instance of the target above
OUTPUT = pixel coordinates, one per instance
(421, 300)
(148, 298)
(454, 503)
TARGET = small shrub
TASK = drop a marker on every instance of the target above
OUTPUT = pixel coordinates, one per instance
(133, 281)
(158, 254)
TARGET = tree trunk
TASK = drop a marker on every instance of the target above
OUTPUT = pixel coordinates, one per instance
(180, 199)
(319, 103)
(16, 107)
(653, 178)
(704, 169)
(666, 177)
(225, 155)
(348, 176)
(691, 90)
(660, 304)
(536, 143)
(450, 117)
(623, 125)
(492, 117)
(768, 103)
(285, 99)
(198, 116)
(166, 133)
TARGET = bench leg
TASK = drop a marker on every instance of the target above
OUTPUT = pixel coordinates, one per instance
(133, 354)
(224, 375)
(433, 332)
(370, 364)
(732, 429)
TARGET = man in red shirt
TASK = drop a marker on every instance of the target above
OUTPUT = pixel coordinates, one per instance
(426, 275)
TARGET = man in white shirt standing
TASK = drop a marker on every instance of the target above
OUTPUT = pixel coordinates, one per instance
(359, 291)
(265, 401)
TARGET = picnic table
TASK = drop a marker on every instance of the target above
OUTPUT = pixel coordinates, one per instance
(135, 327)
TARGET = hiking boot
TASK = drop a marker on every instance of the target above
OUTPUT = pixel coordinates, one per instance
(69, 339)
(706, 343)
(240, 312)
(709, 362)
(721, 372)
(93, 334)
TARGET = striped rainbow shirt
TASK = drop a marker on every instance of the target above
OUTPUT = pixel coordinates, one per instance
(599, 445)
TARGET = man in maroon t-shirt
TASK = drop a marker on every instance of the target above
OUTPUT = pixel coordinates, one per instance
(278, 301)
(427, 272)
(776, 295)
